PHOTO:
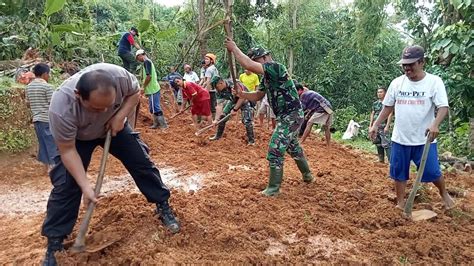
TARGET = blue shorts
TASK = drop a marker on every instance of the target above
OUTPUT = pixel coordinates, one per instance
(47, 148)
(402, 155)
(154, 103)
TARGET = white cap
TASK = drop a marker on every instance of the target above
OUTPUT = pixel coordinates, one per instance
(139, 52)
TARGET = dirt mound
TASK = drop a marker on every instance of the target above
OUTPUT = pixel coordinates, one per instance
(346, 216)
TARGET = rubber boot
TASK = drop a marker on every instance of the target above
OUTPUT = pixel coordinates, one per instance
(250, 135)
(54, 245)
(156, 123)
(219, 133)
(167, 217)
(303, 166)
(162, 122)
(274, 183)
(380, 152)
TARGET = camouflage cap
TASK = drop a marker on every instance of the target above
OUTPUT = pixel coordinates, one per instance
(257, 52)
(215, 80)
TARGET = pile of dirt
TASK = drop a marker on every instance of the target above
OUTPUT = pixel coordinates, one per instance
(346, 216)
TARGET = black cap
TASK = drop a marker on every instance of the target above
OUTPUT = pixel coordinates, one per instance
(135, 30)
(411, 54)
(257, 52)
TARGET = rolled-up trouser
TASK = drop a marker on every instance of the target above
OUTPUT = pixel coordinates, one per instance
(65, 198)
(285, 139)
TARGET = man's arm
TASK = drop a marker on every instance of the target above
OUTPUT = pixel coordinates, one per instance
(386, 111)
(116, 123)
(389, 121)
(73, 163)
(306, 132)
(147, 81)
(243, 59)
(434, 128)
(371, 118)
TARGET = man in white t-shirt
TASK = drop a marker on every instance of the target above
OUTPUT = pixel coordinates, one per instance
(190, 75)
(414, 97)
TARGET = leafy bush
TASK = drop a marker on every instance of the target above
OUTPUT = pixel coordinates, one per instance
(457, 141)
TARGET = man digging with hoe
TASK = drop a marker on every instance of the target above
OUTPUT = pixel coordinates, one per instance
(95, 100)
(414, 98)
(286, 105)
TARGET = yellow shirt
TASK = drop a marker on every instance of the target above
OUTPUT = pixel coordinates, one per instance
(250, 81)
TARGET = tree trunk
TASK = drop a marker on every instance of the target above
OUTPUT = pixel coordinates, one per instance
(201, 26)
(293, 15)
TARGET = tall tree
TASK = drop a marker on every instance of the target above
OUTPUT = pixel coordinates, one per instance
(293, 12)
(201, 27)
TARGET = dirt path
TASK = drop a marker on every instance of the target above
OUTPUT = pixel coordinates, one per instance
(347, 215)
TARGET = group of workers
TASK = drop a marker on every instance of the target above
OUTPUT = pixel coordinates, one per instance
(73, 121)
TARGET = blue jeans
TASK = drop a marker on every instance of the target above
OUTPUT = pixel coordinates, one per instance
(154, 104)
(47, 148)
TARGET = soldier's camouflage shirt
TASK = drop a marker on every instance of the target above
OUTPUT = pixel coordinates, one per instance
(377, 107)
(226, 94)
(280, 89)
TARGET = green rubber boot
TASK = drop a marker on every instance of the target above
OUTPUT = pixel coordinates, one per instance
(273, 187)
(304, 169)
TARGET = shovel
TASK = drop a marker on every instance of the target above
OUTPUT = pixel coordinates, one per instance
(80, 243)
(206, 128)
(419, 215)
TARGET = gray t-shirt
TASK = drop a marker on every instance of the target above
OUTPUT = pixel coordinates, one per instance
(69, 120)
(211, 71)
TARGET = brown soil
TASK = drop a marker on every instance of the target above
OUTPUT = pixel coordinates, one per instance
(346, 216)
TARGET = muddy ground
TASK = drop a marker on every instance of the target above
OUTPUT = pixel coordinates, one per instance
(346, 216)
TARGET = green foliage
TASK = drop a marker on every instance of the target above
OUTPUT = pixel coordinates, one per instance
(16, 133)
(457, 141)
(53, 6)
(370, 21)
(15, 140)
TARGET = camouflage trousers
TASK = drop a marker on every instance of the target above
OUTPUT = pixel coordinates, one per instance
(285, 139)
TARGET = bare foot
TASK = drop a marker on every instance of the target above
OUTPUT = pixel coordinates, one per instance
(401, 205)
(448, 201)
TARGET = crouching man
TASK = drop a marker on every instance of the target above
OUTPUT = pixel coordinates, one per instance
(82, 110)
(231, 105)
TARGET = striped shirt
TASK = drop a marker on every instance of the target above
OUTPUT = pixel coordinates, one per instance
(38, 94)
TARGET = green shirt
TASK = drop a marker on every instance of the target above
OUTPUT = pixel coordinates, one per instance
(280, 89)
(149, 69)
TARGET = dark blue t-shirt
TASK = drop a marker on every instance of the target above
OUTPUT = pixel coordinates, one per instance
(124, 44)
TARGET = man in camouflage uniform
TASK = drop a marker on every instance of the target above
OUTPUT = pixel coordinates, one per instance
(232, 105)
(285, 103)
(382, 140)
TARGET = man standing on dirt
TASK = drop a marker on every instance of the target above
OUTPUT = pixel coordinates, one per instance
(38, 95)
(178, 94)
(286, 105)
(224, 94)
(382, 140)
(414, 98)
(125, 49)
(95, 100)
(152, 90)
(250, 80)
(190, 75)
(318, 110)
(211, 71)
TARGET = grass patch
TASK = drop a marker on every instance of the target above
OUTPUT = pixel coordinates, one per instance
(359, 143)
